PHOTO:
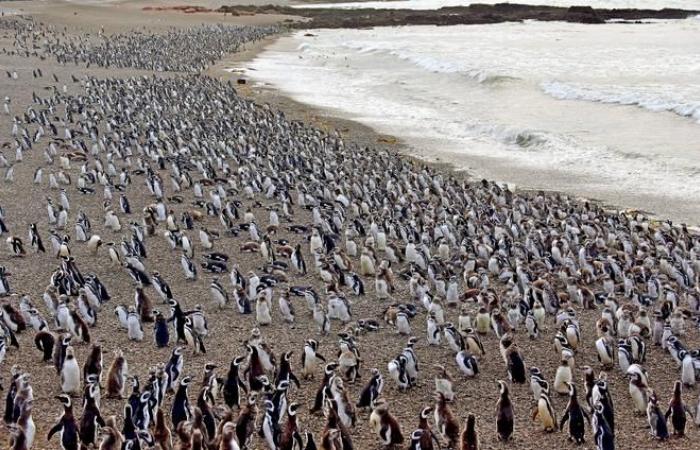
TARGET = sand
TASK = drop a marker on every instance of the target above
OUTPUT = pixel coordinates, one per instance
(24, 203)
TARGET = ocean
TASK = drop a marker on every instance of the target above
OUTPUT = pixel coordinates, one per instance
(610, 112)
(436, 4)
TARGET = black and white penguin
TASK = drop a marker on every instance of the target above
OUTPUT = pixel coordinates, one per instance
(16, 246)
(319, 399)
(602, 433)
(284, 372)
(467, 364)
(91, 418)
(66, 427)
(173, 368)
(181, 405)
(657, 420)
(234, 386)
(310, 359)
(35, 239)
(161, 332)
(504, 413)
(44, 341)
(372, 390)
(576, 416)
(161, 287)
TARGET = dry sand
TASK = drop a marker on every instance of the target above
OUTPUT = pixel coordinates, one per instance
(24, 203)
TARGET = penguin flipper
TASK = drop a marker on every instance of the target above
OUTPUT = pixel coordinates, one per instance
(55, 429)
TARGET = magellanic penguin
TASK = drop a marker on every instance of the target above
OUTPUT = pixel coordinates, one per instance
(603, 434)
(93, 363)
(657, 420)
(545, 412)
(116, 376)
(469, 439)
(181, 405)
(245, 423)
(504, 413)
(384, 424)
(576, 416)
(372, 390)
(677, 410)
(234, 388)
(66, 427)
(70, 374)
(310, 359)
(290, 438)
(161, 331)
(44, 341)
(445, 421)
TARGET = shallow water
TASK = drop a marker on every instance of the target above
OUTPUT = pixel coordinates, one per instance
(608, 111)
(436, 4)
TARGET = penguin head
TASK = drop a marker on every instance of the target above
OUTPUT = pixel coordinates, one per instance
(65, 399)
(426, 412)
(293, 408)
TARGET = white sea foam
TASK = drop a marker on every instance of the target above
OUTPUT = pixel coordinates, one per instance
(607, 110)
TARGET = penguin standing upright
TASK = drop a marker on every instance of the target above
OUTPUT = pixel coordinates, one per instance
(161, 333)
(469, 439)
(575, 415)
(384, 424)
(116, 376)
(66, 427)
(35, 239)
(657, 420)
(602, 433)
(70, 373)
(181, 405)
(504, 413)
(233, 384)
(677, 410)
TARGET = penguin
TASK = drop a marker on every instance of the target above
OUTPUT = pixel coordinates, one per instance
(601, 395)
(134, 328)
(94, 244)
(234, 388)
(443, 383)
(286, 308)
(16, 246)
(173, 368)
(245, 423)
(90, 419)
(218, 294)
(35, 239)
(545, 413)
(181, 406)
(657, 420)
(44, 341)
(116, 376)
(70, 374)
(161, 332)
(328, 374)
(66, 427)
(467, 364)
(677, 410)
(143, 305)
(469, 439)
(290, 437)
(531, 326)
(445, 421)
(93, 363)
(310, 359)
(602, 433)
(161, 433)
(371, 391)
(384, 424)
(576, 416)
(563, 378)
(638, 387)
(504, 413)
(284, 371)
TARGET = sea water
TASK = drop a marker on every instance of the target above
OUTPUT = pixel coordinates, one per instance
(606, 111)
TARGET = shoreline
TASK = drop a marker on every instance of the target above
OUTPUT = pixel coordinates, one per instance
(366, 136)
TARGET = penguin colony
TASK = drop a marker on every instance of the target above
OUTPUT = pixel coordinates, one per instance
(216, 276)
